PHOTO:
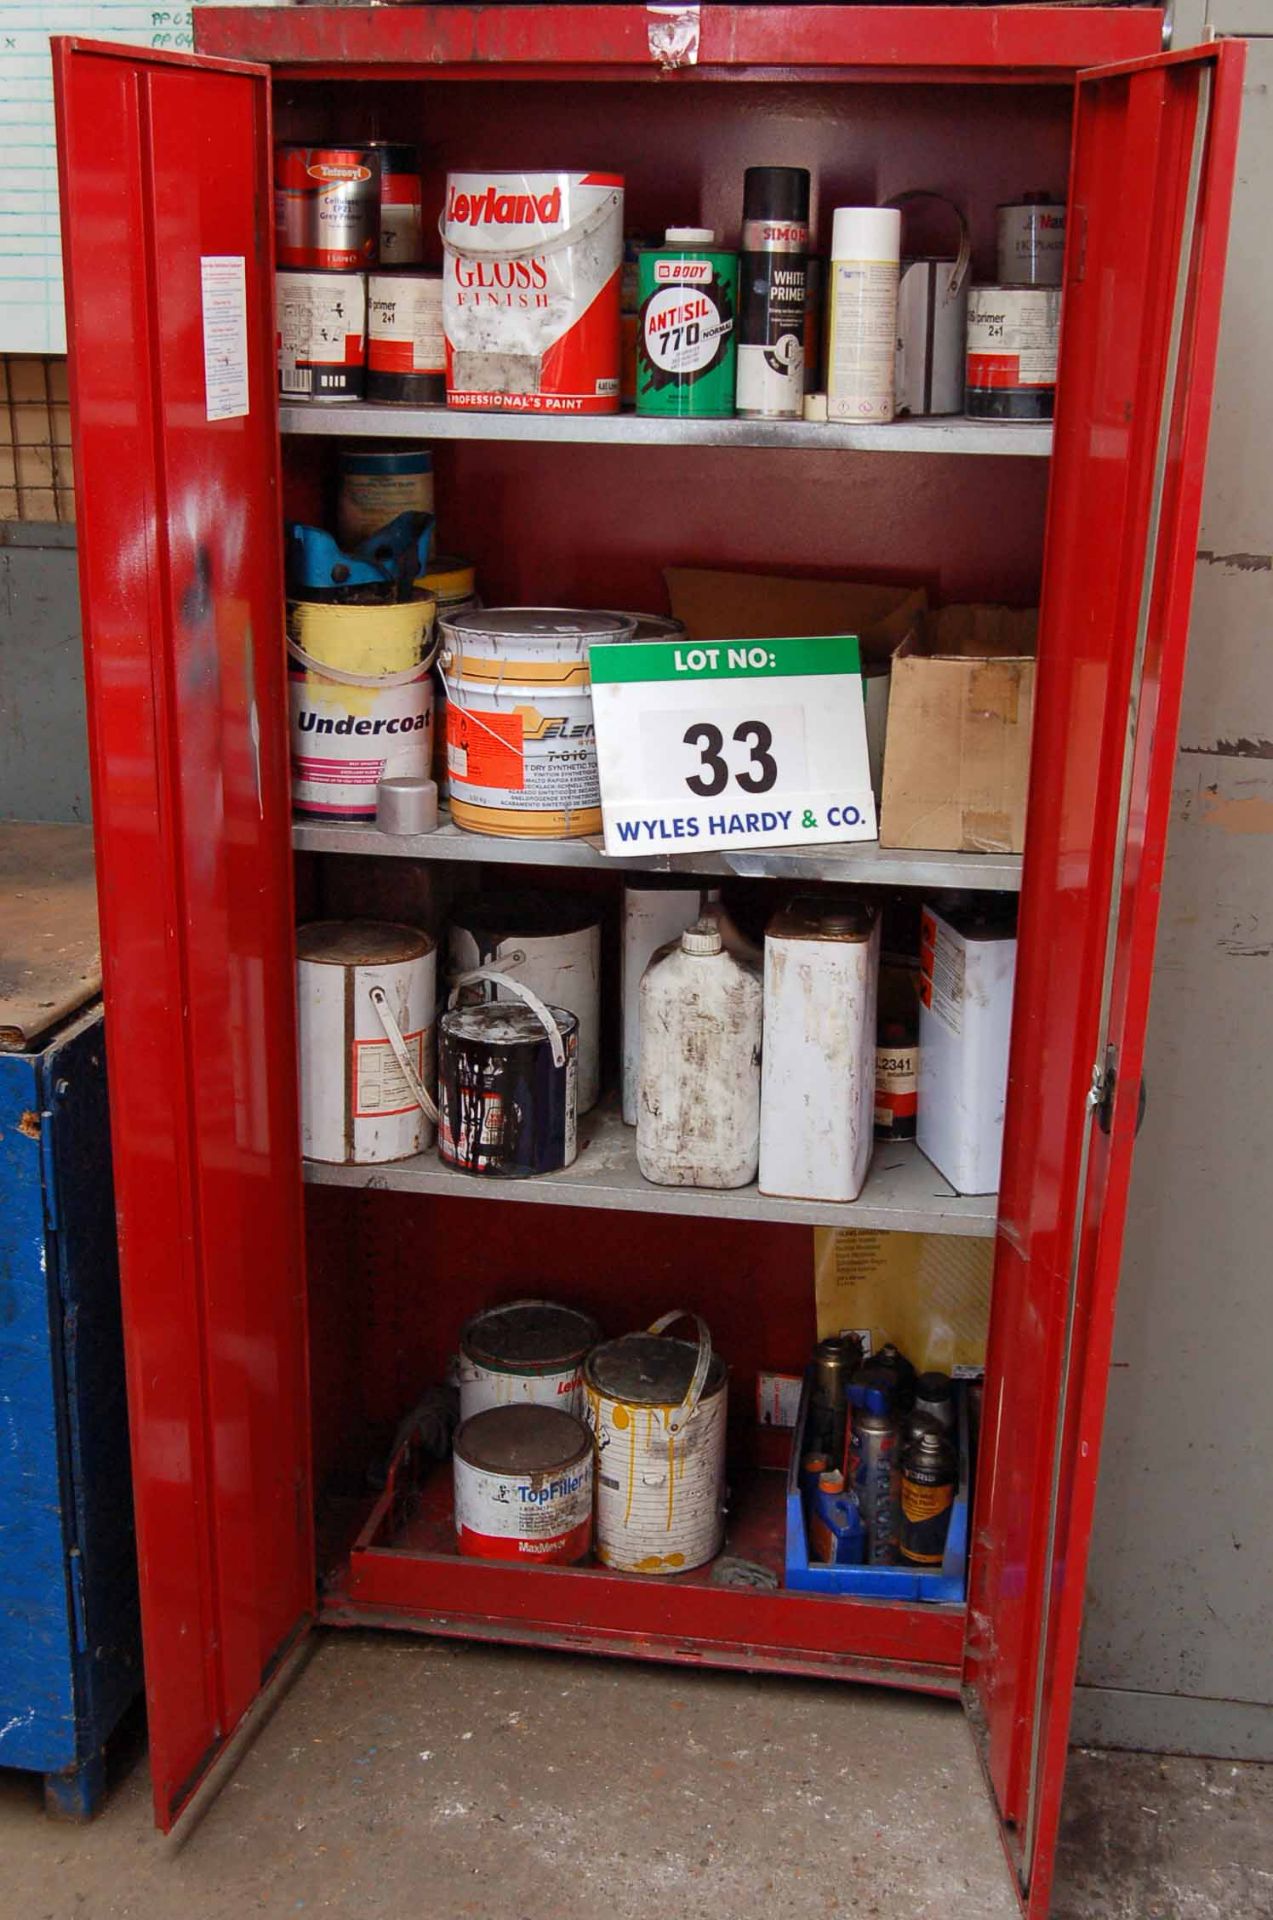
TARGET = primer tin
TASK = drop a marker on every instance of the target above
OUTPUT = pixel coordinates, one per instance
(686, 344)
(523, 1485)
(406, 351)
(321, 334)
(1014, 334)
(657, 1411)
(526, 1352)
(772, 292)
(508, 1106)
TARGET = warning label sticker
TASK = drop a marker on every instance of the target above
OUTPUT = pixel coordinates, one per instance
(485, 749)
(379, 1086)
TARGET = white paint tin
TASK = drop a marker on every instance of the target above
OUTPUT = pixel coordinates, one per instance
(527, 1352)
(356, 1105)
(521, 743)
(1032, 241)
(523, 1485)
(530, 298)
(817, 1100)
(657, 1411)
(652, 916)
(406, 354)
(361, 701)
(321, 335)
(552, 944)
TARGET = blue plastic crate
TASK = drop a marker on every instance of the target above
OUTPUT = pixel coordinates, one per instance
(878, 1583)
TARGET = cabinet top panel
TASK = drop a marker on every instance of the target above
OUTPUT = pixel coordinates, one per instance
(1047, 43)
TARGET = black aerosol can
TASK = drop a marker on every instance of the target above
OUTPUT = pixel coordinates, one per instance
(771, 298)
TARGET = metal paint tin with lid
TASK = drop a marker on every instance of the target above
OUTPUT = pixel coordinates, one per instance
(551, 942)
(1014, 335)
(376, 486)
(686, 327)
(321, 335)
(657, 1411)
(401, 212)
(521, 743)
(326, 207)
(523, 1485)
(1032, 241)
(406, 353)
(506, 1088)
(527, 1351)
(353, 978)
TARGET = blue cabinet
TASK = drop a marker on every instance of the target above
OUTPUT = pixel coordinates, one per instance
(70, 1658)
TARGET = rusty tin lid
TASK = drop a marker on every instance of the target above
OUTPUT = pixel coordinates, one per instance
(522, 1439)
(360, 943)
(810, 918)
(647, 1370)
(529, 1336)
(504, 1023)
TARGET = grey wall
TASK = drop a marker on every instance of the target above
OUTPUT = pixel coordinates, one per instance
(1178, 1647)
(43, 750)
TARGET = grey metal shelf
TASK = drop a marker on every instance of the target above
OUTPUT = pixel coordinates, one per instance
(949, 435)
(904, 1192)
(863, 862)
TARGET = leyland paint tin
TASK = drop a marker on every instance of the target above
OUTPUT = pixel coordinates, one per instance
(657, 1411)
(525, 1352)
(406, 352)
(326, 207)
(530, 293)
(771, 296)
(361, 702)
(401, 236)
(1032, 241)
(521, 743)
(552, 944)
(686, 341)
(506, 1089)
(523, 1485)
(1014, 334)
(354, 978)
(375, 487)
(321, 335)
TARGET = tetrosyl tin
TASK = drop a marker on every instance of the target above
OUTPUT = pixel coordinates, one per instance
(523, 1485)
(527, 1351)
(686, 346)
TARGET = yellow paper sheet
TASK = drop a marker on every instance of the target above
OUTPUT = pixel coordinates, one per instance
(927, 1292)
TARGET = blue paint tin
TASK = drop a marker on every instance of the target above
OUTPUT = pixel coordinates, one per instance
(507, 1089)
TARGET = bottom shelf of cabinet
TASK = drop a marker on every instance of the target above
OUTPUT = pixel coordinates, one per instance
(404, 1571)
(904, 1193)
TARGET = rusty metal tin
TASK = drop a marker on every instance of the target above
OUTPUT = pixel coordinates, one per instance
(523, 1485)
(528, 1351)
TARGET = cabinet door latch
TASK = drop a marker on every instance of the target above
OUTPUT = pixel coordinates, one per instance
(1100, 1096)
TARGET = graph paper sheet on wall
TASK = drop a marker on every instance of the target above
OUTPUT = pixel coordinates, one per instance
(32, 319)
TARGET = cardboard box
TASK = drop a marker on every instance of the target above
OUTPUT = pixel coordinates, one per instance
(960, 711)
(928, 1292)
(717, 604)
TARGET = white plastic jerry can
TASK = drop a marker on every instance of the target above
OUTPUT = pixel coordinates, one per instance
(698, 1114)
(817, 1115)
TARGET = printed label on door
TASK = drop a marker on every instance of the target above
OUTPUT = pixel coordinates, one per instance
(379, 1086)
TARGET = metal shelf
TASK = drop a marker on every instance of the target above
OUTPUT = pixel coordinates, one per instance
(864, 862)
(950, 435)
(904, 1192)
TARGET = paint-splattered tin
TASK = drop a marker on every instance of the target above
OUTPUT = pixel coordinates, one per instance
(523, 1485)
(527, 1351)
(508, 1106)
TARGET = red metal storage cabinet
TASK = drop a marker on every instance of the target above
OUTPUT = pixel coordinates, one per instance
(263, 1375)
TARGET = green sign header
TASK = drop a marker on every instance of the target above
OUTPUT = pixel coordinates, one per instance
(674, 660)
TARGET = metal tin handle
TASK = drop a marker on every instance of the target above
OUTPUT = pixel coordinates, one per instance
(963, 259)
(522, 992)
(398, 1046)
(404, 677)
(698, 1380)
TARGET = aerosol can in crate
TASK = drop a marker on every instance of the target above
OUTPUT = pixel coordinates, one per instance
(698, 1110)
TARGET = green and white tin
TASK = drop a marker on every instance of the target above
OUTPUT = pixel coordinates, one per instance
(687, 327)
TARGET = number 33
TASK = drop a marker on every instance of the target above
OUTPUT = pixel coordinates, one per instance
(715, 775)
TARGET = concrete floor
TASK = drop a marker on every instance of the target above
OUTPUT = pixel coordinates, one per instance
(404, 1779)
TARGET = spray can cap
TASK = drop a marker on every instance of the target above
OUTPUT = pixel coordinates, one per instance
(690, 237)
(776, 193)
(866, 233)
(702, 937)
(832, 1482)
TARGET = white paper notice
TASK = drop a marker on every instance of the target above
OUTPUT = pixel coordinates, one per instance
(225, 335)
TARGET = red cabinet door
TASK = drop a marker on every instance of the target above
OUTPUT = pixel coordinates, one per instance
(1151, 179)
(165, 165)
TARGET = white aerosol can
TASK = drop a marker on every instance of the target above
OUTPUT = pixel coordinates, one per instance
(698, 1112)
(817, 1106)
(865, 251)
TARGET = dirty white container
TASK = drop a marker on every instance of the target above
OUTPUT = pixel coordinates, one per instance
(652, 916)
(817, 1099)
(968, 962)
(523, 1486)
(698, 1109)
(366, 994)
(552, 944)
(525, 1352)
(657, 1412)
(521, 743)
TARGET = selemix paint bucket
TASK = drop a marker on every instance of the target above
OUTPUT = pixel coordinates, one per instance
(521, 744)
(365, 997)
(527, 1352)
(530, 291)
(361, 701)
(523, 1485)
